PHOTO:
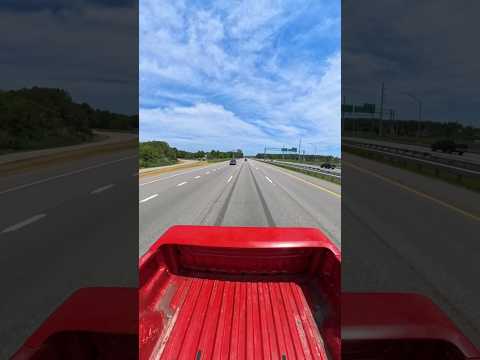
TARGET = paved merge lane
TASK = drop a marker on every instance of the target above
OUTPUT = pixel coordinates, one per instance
(248, 194)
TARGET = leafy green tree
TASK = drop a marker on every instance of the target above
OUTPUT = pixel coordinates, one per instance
(45, 117)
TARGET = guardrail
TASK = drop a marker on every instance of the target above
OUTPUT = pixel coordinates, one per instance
(309, 167)
(305, 167)
(421, 162)
(418, 154)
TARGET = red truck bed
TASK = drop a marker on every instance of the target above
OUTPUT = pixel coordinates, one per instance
(214, 318)
(240, 293)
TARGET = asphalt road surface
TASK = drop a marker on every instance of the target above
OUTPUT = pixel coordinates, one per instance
(250, 193)
(409, 233)
(63, 228)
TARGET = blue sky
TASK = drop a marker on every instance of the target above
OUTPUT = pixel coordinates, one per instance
(240, 74)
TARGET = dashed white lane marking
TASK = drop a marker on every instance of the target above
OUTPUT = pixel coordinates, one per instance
(149, 198)
(229, 179)
(266, 177)
(24, 223)
(214, 169)
(182, 183)
(256, 168)
(103, 188)
(197, 177)
(208, 172)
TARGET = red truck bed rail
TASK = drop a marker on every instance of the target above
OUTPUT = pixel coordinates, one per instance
(397, 326)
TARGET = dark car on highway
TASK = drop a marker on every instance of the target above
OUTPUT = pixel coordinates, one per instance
(233, 162)
(327, 166)
(449, 146)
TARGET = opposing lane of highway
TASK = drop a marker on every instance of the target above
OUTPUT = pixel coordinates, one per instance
(474, 158)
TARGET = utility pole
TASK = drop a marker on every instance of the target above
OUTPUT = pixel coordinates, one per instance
(314, 146)
(299, 146)
(419, 103)
(392, 122)
(381, 110)
(419, 116)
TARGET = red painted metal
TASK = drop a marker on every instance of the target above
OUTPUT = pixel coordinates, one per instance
(399, 326)
(240, 293)
(244, 293)
(91, 323)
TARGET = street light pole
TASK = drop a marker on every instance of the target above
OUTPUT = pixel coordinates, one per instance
(299, 146)
(419, 103)
(381, 110)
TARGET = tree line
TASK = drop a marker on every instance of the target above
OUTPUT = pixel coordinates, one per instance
(46, 117)
(160, 153)
(412, 128)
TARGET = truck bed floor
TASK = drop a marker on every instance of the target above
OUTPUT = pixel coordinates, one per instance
(223, 319)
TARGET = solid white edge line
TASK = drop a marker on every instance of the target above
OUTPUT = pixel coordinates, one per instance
(149, 198)
(170, 177)
(64, 175)
(307, 182)
(154, 181)
(23, 223)
(103, 188)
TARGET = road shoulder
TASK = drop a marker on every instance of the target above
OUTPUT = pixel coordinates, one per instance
(436, 190)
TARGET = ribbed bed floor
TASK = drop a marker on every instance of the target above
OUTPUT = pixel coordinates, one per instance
(219, 319)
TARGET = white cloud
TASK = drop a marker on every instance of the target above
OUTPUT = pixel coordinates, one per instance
(228, 56)
(211, 125)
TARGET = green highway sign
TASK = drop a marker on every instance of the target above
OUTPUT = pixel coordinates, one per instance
(365, 108)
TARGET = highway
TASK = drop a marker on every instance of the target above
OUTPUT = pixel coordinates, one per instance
(64, 227)
(409, 233)
(337, 171)
(473, 158)
(250, 193)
